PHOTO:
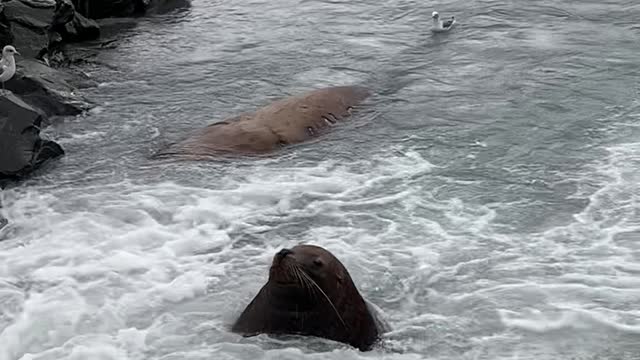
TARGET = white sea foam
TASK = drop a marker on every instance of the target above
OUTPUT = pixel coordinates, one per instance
(566, 319)
(103, 259)
(597, 268)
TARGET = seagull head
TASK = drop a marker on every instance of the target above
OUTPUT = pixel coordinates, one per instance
(9, 50)
(435, 15)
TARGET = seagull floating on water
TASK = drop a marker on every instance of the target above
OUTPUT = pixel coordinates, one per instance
(439, 25)
(8, 64)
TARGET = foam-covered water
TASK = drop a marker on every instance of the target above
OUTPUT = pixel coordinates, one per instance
(487, 199)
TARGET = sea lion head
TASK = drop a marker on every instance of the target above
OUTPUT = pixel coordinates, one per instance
(307, 267)
(310, 292)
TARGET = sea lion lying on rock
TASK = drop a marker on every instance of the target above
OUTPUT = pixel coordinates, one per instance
(288, 121)
(310, 292)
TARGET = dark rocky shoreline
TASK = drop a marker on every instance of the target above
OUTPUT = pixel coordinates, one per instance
(48, 79)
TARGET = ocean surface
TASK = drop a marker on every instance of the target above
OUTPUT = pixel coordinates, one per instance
(486, 198)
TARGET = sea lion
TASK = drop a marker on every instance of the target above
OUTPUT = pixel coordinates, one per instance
(287, 121)
(310, 292)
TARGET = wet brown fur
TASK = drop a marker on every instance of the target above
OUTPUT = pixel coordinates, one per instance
(287, 121)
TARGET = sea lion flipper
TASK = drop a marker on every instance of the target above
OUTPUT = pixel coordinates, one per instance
(382, 325)
(252, 319)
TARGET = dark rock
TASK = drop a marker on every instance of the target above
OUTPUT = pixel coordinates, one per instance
(72, 26)
(54, 54)
(6, 36)
(39, 3)
(63, 13)
(36, 18)
(100, 9)
(48, 89)
(21, 148)
(27, 24)
(3, 222)
(67, 26)
(81, 29)
(27, 41)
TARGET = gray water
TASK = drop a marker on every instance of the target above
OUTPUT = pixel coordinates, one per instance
(487, 198)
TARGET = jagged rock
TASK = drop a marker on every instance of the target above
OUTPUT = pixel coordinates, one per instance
(6, 37)
(21, 148)
(63, 13)
(71, 25)
(37, 18)
(48, 89)
(81, 29)
(67, 26)
(27, 24)
(40, 3)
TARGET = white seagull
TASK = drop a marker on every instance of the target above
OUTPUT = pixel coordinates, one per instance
(439, 25)
(8, 64)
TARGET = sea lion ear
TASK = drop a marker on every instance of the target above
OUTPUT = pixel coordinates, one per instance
(340, 277)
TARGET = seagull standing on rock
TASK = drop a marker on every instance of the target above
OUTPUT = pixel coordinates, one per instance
(8, 64)
(439, 25)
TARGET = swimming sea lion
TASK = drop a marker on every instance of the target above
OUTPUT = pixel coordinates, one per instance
(310, 292)
(288, 121)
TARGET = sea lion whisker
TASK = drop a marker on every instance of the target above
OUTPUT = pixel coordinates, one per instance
(312, 286)
(303, 281)
(300, 280)
(291, 270)
(326, 297)
(314, 289)
(294, 271)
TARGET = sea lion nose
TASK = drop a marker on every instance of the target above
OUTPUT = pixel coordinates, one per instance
(283, 253)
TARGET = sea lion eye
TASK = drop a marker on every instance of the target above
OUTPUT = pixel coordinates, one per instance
(317, 262)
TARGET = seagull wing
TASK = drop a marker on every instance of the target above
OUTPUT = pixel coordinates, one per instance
(447, 23)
